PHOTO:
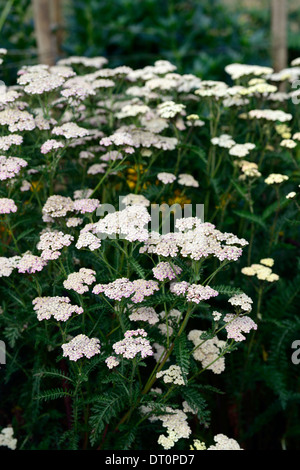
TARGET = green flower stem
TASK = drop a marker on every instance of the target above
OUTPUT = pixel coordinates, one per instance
(159, 366)
(7, 221)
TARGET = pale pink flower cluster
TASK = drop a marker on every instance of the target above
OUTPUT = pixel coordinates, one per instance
(81, 346)
(195, 240)
(59, 308)
(30, 263)
(159, 352)
(51, 144)
(134, 343)
(82, 193)
(237, 70)
(87, 239)
(96, 62)
(166, 178)
(78, 92)
(118, 139)
(160, 141)
(86, 155)
(117, 290)
(270, 115)
(142, 289)
(224, 141)
(163, 245)
(111, 156)
(10, 166)
(173, 315)
(70, 130)
(97, 168)
(146, 314)
(123, 288)
(146, 139)
(52, 242)
(8, 96)
(84, 206)
(216, 316)
(17, 120)
(241, 150)
(165, 270)
(187, 180)
(208, 351)
(135, 199)
(243, 301)
(7, 206)
(112, 362)
(130, 223)
(169, 109)
(25, 186)
(193, 292)
(6, 141)
(235, 326)
(74, 222)
(7, 265)
(80, 281)
(43, 123)
(58, 206)
(39, 80)
(131, 110)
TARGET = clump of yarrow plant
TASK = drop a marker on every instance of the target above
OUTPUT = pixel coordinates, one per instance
(123, 322)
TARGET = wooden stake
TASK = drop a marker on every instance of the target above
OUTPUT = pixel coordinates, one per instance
(57, 21)
(44, 39)
(279, 24)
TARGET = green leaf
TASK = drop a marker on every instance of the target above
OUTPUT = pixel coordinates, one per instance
(228, 290)
(108, 406)
(274, 207)
(252, 218)
(182, 355)
(242, 192)
(53, 394)
(137, 268)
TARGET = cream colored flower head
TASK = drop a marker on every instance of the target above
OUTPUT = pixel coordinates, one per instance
(267, 262)
(276, 178)
(262, 271)
(288, 143)
(291, 195)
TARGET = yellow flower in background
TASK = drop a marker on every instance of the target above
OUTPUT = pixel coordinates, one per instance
(265, 355)
(132, 176)
(179, 198)
(286, 135)
(36, 186)
(224, 201)
(283, 130)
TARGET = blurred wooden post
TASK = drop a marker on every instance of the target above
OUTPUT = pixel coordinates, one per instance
(279, 25)
(57, 21)
(42, 24)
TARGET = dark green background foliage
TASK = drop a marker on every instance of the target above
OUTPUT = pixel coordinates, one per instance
(197, 36)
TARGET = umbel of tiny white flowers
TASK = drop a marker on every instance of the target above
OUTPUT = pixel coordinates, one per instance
(172, 375)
